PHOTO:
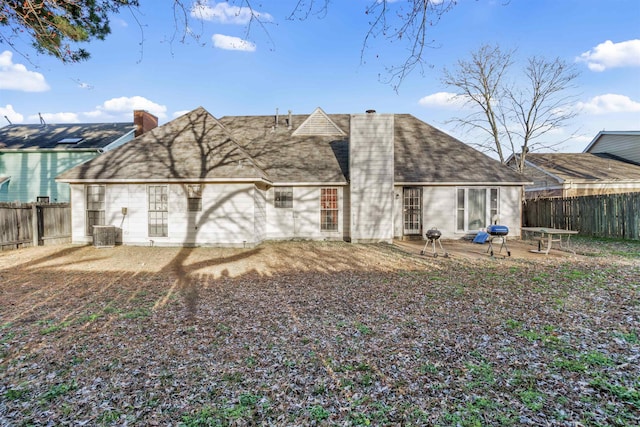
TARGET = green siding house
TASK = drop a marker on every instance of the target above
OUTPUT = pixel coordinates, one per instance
(32, 155)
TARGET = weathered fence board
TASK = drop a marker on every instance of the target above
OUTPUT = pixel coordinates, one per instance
(52, 224)
(606, 215)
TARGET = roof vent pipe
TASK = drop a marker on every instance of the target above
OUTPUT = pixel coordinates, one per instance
(290, 124)
(370, 111)
(276, 118)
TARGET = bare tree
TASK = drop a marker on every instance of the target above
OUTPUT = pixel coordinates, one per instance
(56, 27)
(544, 105)
(480, 82)
(513, 114)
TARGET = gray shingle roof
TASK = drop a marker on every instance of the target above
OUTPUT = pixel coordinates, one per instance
(288, 158)
(35, 136)
(191, 147)
(199, 146)
(426, 154)
(584, 166)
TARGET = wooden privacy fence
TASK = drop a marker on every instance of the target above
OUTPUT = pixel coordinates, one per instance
(606, 215)
(33, 224)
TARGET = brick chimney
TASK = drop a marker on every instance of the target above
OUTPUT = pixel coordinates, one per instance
(144, 121)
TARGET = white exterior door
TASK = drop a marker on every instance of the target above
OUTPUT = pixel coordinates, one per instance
(412, 210)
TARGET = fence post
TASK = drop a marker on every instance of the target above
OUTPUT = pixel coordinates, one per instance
(34, 224)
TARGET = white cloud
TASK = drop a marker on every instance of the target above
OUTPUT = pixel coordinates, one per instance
(611, 55)
(225, 13)
(11, 114)
(126, 105)
(232, 43)
(17, 77)
(443, 100)
(609, 103)
(52, 118)
(112, 110)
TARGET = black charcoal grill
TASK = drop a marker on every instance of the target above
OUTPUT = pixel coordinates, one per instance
(433, 235)
(498, 231)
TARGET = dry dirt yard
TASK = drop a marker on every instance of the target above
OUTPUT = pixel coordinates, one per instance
(301, 333)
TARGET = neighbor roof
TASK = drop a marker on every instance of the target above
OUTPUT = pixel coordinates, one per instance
(610, 132)
(62, 136)
(198, 146)
(584, 166)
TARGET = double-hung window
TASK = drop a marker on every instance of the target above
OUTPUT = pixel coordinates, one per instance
(329, 209)
(158, 211)
(194, 197)
(94, 207)
(476, 208)
(283, 197)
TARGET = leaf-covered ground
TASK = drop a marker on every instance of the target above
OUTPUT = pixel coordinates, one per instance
(318, 334)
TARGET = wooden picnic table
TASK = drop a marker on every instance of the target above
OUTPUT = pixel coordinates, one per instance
(549, 235)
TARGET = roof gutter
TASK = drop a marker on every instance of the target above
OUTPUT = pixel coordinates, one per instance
(164, 181)
(311, 184)
(51, 150)
(465, 183)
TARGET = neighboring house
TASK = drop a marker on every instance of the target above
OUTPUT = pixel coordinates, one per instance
(237, 181)
(578, 174)
(32, 155)
(624, 145)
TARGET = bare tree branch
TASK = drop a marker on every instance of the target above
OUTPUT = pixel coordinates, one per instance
(55, 26)
(514, 116)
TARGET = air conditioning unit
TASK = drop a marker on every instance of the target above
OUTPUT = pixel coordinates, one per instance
(104, 236)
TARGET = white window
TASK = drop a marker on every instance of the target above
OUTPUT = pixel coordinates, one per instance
(283, 197)
(329, 209)
(194, 197)
(476, 208)
(158, 211)
(94, 207)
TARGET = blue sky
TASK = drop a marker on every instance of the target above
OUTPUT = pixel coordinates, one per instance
(299, 65)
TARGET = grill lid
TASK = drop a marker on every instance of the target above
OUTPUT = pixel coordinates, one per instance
(498, 230)
(433, 233)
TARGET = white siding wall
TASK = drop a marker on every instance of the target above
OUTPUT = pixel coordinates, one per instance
(260, 203)
(227, 217)
(78, 219)
(303, 220)
(439, 210)
(511, 209)
(398, 213)
(371, 174)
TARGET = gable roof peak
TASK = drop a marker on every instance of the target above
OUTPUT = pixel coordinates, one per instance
(318, 123)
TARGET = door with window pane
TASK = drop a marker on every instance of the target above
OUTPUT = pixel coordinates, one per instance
(477, 213)
(412, 210)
